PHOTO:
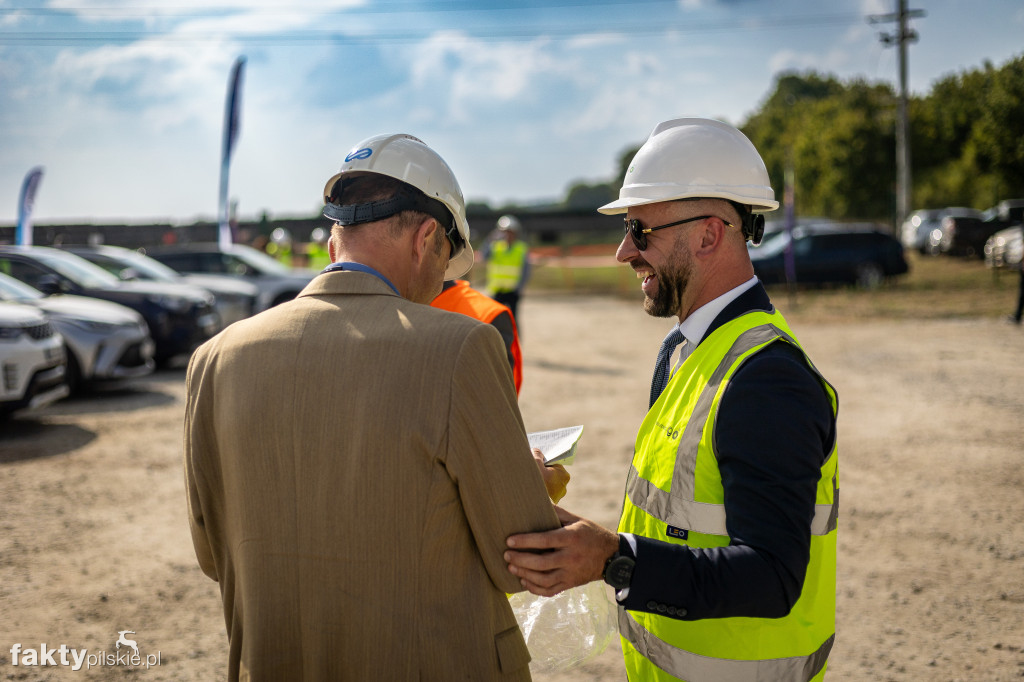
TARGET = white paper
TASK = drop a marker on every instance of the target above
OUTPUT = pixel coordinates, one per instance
(558, 445)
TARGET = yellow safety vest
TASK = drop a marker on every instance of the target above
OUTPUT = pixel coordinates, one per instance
(505, 266)
(675, 481)
(319, 257)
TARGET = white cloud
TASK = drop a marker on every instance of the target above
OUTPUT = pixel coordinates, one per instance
(469, 72)
(868, 7)
(119, 10)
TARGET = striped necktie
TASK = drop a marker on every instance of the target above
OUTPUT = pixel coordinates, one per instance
(661, 367)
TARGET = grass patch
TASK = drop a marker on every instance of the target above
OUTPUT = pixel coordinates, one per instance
(936, 287)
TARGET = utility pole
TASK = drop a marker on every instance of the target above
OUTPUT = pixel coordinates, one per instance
(900, 38)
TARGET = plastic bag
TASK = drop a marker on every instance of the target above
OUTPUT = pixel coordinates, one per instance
(568, 629)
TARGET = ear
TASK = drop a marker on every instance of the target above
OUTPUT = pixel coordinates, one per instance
(423, 239)
(711, 235)
(332, 251)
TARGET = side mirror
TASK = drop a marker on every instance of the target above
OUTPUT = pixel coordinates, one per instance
(128, 274)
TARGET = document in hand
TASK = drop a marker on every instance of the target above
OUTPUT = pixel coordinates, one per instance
(558, 446)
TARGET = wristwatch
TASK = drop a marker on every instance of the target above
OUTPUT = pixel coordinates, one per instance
(618, 570)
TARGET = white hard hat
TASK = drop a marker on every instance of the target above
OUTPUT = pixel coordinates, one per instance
(695, 158)
(509, 222)
(281, 236)
(410, 160)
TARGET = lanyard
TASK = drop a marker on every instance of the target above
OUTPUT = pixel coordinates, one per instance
(359, 267)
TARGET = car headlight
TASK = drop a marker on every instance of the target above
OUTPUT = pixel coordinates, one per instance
(10, 333)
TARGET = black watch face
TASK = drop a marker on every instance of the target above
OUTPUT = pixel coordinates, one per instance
(619, 572)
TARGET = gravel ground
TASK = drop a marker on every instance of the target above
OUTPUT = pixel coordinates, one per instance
(931, 544)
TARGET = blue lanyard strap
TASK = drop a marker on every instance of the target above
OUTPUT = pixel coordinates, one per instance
(359, 267)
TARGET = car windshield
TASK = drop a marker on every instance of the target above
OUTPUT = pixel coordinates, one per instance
(15, 290)
(79, 270)
(773, 243)
(259, 261)
(150, 268)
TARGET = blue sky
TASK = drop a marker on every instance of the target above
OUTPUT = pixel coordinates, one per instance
(122, 101)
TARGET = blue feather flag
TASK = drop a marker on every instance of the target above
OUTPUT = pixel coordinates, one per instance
(23, 233)
(232, 125)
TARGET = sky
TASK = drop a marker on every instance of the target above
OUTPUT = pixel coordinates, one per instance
(122, 101)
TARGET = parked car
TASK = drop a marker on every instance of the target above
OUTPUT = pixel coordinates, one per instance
(234, 299)
(179, 317)
(277, 283)
(966, 235)
(1006, 213)
(32, 360)
(859, 254)
(917, 229)
(102, 340)
(1005, 248)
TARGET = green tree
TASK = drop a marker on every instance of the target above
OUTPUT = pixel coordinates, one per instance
(582, 195)
(999, 131)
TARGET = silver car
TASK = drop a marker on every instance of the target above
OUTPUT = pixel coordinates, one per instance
(104, 340)
(32, 360)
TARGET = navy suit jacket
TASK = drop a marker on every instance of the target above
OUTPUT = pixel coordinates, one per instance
(775, 428)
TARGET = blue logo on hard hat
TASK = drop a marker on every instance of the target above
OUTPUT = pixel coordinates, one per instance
(363, 153)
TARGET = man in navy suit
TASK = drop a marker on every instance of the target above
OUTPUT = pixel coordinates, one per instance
(725, 561)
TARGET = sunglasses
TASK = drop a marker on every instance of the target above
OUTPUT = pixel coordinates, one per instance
(639, 233)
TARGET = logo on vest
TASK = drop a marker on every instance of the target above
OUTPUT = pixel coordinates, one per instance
(669, 431)
(677, 533)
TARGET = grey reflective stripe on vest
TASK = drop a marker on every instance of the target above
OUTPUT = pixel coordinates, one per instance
(678, 507)
(696, 668)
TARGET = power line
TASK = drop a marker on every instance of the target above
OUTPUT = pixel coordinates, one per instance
(900, 38)
(506, 31)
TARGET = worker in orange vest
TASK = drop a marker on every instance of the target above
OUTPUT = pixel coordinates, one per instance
(458, 297)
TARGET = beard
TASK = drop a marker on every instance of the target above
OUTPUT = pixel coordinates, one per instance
(673, 281)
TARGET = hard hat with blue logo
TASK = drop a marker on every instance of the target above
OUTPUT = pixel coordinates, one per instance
(410, 160)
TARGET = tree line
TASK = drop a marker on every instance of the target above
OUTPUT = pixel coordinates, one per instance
(966, 136)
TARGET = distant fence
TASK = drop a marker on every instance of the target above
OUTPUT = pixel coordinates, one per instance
(540, 227)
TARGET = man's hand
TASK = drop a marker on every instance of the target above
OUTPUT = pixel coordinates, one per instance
(572, 555)
(556, 478)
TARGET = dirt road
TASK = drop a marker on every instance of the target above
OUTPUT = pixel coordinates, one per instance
(931, 544)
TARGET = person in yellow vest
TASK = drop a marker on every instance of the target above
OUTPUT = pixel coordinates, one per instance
(316, 251)
(724, 565)
(459, 297)
(508, 263)
(280, 246)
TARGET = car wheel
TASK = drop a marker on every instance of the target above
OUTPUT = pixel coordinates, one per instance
(869, 275)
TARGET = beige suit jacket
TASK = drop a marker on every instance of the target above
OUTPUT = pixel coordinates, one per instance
(354, 462)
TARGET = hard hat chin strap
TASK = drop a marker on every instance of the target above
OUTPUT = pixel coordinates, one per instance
(372, 211)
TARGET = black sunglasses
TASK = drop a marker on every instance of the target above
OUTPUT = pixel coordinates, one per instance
(638, 232)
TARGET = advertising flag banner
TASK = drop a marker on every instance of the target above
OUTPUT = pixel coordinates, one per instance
(23, 232)
(232, 124)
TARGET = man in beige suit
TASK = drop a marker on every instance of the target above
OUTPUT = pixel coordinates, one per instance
(355, 459)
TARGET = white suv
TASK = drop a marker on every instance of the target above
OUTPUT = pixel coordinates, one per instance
(32, 359)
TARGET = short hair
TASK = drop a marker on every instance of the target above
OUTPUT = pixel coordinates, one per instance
(363, 189)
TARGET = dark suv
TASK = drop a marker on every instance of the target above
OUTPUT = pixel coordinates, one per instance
(835, 253)
(179, 317)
